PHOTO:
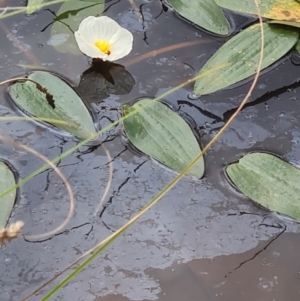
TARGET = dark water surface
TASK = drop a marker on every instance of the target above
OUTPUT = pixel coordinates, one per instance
(198, 242)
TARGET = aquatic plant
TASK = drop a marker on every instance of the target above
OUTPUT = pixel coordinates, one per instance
(103, 38)
(100, 37)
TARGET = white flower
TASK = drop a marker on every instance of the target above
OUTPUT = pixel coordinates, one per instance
(103, 38)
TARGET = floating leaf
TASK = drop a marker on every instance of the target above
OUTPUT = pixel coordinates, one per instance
(268, 181)
(163, 135)
(204, 13)
(7, 180)
(69, 16)
(58, 102)
(285, 10)
(33, 6)
(241, 54)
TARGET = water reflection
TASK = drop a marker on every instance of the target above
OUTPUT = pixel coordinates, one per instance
(103, 79)
(295, 58)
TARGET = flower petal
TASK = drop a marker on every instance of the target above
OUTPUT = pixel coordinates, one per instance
(86, 22)
(89, 49)
(121, 44)
(104, 29)
(84, 29)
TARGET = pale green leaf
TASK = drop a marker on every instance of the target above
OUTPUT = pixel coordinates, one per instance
(7, 179)
(33, 6)
(162, 134)
(60, 103)
(68, 18)
(241, 55)
(204, 13)
(268, 181)
(285, 10)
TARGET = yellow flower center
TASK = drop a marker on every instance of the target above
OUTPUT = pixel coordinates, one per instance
(103, 46)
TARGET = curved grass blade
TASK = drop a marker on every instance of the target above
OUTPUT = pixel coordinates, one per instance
(268, 181)
(242, 52)
(204, 13)
(285, 10)
(7, 179)
(33, 6)
(163, 135)
(18, 11)
(54, 99)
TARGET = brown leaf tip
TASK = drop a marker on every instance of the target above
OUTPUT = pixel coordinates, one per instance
(10, 232)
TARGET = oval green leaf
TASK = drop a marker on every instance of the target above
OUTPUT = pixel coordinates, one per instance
(163, 135)
(67, 21)
(59, 105)
(241, 55)
(268, 181)
(7, 180)
(285, 10)
(33, 6)
(204, 13)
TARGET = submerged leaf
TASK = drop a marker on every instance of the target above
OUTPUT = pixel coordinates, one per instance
(67, 21)
(33, 6)
(7, 180)
(53, 99)
(268, 181)
(241, 54)
(285, 10)
(163, 135)
(204, 13)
